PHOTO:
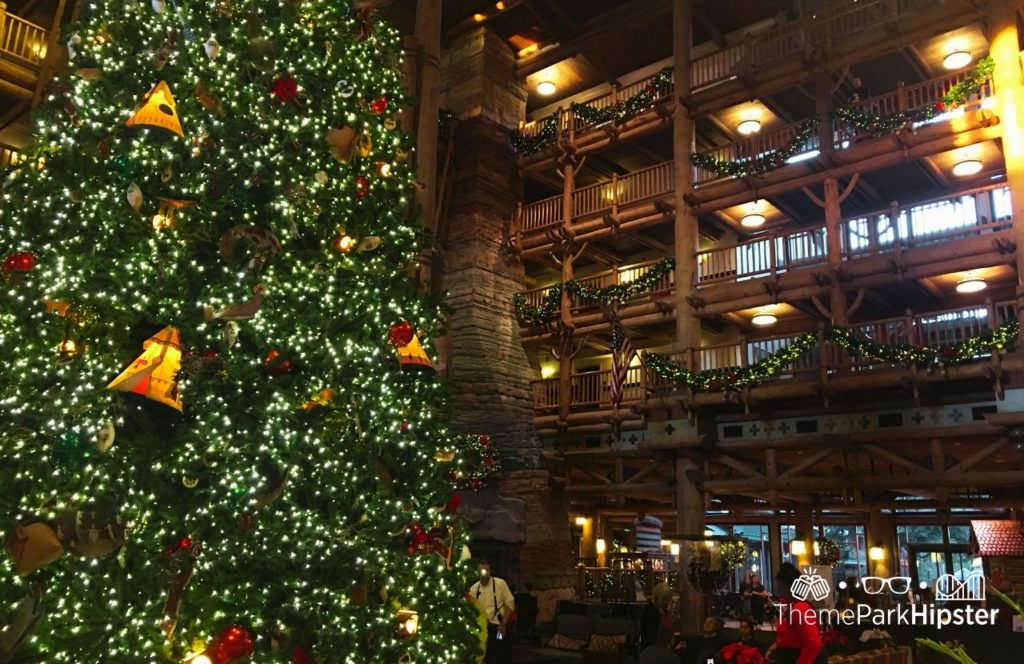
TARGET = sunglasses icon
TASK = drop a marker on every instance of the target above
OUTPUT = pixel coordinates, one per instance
(876, 585)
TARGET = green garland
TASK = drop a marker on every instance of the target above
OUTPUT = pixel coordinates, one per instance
(854, 342)
(761, 164)
(849, 117)
(476, 461)
(590, 115)
(548, 309)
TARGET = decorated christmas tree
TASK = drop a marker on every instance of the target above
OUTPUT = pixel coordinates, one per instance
(222, 438)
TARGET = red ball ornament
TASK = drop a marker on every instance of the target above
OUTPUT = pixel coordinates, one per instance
(404, 427)
(379, 105)
(401, 333)
(362, 187)
(20, 261)
(232, 644)
(940, 105)
(485, 440)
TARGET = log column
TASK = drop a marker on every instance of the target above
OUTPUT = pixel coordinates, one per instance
(1009, 85)
(686, 229)
(804, 520)
(881, 534)
(689, 499)
(523, 518)
(568, 249)
(833, 234)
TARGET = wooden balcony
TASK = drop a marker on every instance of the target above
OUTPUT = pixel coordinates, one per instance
(915, 238)
(841, 33)
(644, 198)
(23, 48)
(825, 369)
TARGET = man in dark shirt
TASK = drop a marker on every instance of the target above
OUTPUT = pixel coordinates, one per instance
(706, 647)
(661, 652)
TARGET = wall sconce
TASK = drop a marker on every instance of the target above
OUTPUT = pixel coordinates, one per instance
(601, 545)
(674, 548)
(798, 547)
(876, 553)
(581, 521)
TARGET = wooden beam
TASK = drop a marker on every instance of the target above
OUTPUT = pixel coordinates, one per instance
(619, 20)
(894, 459)
(649, 470)
(622, 489)
(736, 464)
(980, 455)
(1010, 478)
(812, 460)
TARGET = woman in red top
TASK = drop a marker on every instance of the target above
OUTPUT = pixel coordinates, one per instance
(797, 640)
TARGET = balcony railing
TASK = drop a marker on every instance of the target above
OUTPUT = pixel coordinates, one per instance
(592, 390)
(975, 212)
(21, 40)
(621, 275)
(834, 23)
(658, 182)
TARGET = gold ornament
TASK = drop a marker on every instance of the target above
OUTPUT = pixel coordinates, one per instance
(154, 374)
(158, 110)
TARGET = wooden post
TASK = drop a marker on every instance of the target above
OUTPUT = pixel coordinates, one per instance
(823, 107)
(565, 392)
(901, 96)
(689, 520)
(880, 533)
(3, 17)
(833, 235)
(686, 238)
(1009, 85)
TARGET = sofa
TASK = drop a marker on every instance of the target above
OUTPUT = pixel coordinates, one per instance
(593, 640)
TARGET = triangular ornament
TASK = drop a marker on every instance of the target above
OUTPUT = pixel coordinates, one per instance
(413, 357)
(155, 374)
(158, 110)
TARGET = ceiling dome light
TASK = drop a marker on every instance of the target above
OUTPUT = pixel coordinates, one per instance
(764, 318)
(967, 167)
(748, 127)
(957, 59)
(752, 220)
(971, 284)
(547, 88)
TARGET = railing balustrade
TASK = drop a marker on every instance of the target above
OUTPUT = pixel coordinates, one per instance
(21, 39)
(9, 156)
(972, 213)
(934, 329)
(622, 275)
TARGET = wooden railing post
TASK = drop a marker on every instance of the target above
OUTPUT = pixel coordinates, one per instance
(901, 96)
(3, 18)
(773, 258)
(615, 196)
(908, 325)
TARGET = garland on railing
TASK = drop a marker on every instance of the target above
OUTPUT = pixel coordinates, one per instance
(618, 113)
(630, 108)
(548, 309)
(762, 163)
(849, 117)
(853, 341)
(854, 117)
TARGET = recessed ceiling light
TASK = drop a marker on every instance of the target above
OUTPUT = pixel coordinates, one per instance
(764, 318)
(971, 284)
(957, 59)
(967, 167)
(749, 126)
(752, 220)
(546, 88)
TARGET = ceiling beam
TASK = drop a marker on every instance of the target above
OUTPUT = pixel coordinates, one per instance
(619, 20)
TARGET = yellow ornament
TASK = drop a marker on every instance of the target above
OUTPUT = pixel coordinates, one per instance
(413, 357)
(158, 110)
(154, 374)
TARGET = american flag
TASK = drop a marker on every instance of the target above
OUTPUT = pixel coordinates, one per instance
(622, 355)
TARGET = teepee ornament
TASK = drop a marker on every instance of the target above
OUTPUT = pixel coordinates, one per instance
(135, 196)
(154, 374)
(158, 110)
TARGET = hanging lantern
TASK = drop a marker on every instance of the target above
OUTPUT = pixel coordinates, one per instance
(154, 374)
(344, 242)
(158, 110)
(67, 350)
(166, 216)
(362, 187)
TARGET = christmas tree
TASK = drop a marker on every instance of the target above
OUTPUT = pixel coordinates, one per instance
(222, 439)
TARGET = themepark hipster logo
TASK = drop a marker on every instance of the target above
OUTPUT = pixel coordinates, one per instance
(948, 588)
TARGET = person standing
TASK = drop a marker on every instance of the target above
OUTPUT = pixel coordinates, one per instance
(494, 596)
(797, 640)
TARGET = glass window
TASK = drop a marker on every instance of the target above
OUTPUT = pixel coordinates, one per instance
(758, 560)
(853, 560)
(1001, 205)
